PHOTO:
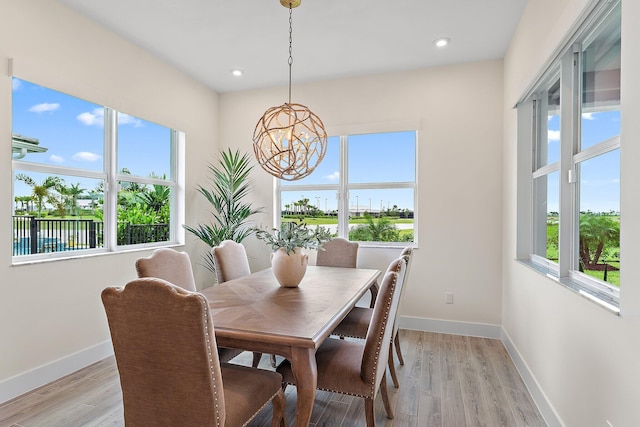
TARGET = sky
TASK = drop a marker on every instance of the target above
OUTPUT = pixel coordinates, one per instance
(599, 176)
(365, 165)
(72, 130)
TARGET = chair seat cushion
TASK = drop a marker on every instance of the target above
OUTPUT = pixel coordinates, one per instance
(339, 363)
(247, 391)
(355, 324)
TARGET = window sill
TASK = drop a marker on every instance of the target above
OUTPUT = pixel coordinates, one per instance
(379, 245)
(90, 253)
(601, 299)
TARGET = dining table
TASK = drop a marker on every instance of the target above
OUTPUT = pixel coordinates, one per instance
(255, 313)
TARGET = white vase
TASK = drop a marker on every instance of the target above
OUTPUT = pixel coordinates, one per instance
(289, 269)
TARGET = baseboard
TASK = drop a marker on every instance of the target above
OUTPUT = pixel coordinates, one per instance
(539, 397)
(27, 381)
(496, 332)
(482, 330)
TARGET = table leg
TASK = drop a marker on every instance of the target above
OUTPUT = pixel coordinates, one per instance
(305, 371)
(374, 294)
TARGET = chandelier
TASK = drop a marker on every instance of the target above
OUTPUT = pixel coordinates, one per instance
(289, 141)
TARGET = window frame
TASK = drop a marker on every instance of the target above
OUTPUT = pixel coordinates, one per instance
(111, 178)
(343, 190)
(568, 64)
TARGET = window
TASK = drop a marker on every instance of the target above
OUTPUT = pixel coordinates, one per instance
(546, 171)
(363, 190)
(571, 123)
(88, 178)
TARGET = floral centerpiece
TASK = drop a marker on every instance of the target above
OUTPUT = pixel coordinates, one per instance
(288, 261)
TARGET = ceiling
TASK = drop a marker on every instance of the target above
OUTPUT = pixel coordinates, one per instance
(206, 39)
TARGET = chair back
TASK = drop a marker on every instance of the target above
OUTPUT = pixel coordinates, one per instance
(230, 261)
(376, 354)
(338, 252)
(407, 256)
(165, 349)
(170, 265)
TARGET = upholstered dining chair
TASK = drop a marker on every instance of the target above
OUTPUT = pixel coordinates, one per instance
(175, 267)
(231, 262)
(407, 255)
(340, 252)
(170, 265)
(356, 323)
(170, 374)
(358, 368)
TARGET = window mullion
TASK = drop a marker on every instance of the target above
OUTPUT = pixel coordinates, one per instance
(343, 191)
(111, 184)
(569, 134)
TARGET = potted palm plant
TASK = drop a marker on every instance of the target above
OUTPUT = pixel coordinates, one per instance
(226, 193)
(288, 261)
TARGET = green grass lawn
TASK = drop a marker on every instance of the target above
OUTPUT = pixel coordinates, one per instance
(332, 220)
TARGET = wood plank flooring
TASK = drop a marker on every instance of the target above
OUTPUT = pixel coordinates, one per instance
(447, 381)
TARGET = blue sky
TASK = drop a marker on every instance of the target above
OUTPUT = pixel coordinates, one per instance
(600, 176)
(72, 130)
(366, 165)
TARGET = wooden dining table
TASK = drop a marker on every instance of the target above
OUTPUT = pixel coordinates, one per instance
(255, 313)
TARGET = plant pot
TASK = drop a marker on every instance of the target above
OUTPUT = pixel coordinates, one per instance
(289, 269)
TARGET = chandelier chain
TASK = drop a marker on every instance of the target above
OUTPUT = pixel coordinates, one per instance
(290, 61)
(289, 141)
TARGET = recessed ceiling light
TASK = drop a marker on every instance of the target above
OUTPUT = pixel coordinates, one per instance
(442, 41)
(237, 72)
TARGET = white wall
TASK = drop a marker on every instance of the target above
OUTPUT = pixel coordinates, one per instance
(51, 317)
(457, 111)
(584, 359)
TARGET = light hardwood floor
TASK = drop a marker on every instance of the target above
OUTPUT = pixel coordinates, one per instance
(447, 381)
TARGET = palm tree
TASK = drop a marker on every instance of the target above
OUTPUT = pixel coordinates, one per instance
(28, 200)
(40, 191)
(73, 192)
(375, 231)
(596, 232)
(157, 198)
(230, 184)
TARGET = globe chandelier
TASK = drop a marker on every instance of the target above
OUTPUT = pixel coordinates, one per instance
(289, 141)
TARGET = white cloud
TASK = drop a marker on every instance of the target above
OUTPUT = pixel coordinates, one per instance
(588, 116)
(553, 135)
(85, 156)
(16, 84)
(44, 107)
(96, 117)
(334, 176)
(56, 159)
(125, 119)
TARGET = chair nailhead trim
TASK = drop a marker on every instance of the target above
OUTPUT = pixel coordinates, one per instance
(380, 337)
(261, 408)
(209, 350)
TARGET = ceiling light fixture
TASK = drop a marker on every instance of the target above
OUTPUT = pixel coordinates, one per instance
(289, 141)
(442, 41)
(236, 72)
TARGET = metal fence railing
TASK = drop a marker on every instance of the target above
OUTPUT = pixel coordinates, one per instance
(33, 235)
